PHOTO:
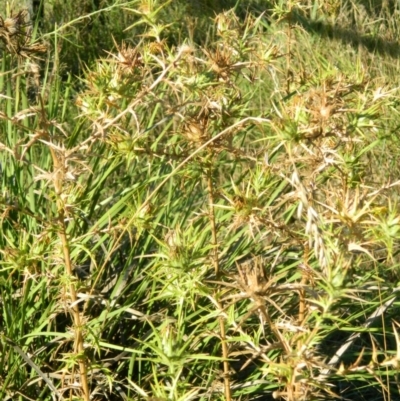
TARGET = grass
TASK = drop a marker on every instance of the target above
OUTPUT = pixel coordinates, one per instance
(198, 209)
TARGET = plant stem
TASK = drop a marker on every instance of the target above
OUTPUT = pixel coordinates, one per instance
(214, 241)
(227, 383)
(58, 170)
(288, 55)
(75, 310)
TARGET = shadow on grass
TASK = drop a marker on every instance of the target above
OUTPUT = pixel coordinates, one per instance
(347, 35)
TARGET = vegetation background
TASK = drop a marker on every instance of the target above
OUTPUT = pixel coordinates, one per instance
(199, 200)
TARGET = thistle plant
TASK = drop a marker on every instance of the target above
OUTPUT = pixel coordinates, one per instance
(196, 221)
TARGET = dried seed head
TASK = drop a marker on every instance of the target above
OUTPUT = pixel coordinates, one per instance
(194, 132)
(186, 49)
(11, 25)
(145, 7)
(326, 111)
(129, 59)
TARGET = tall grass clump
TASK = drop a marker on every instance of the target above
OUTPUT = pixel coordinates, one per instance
(197, 222)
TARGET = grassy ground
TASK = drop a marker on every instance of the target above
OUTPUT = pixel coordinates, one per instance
(199, 206)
